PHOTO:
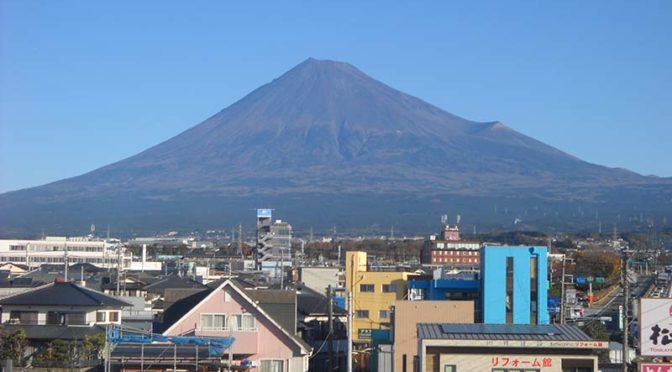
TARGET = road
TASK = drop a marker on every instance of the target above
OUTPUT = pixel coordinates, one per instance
(610, 305)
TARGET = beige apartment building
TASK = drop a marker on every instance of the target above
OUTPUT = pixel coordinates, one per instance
(407, 315)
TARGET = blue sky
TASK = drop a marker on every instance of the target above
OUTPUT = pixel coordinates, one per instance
(84, 84)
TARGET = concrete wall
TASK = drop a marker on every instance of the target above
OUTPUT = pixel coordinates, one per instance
(493, 273)
(407, 314)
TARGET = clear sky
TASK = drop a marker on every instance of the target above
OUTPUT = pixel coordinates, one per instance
(84, 83)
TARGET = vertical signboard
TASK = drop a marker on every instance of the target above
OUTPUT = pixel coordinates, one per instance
(655, 367)
(655, 327)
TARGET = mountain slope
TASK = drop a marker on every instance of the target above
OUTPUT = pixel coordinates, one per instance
(326, 130)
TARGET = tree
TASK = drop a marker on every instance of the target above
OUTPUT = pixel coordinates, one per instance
(92, 347)
(598, 264)
(597, 331)
(12, 346)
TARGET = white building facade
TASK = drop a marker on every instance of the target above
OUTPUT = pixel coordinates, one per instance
(59, 250)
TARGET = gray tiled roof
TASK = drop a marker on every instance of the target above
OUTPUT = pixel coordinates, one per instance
(63, 294)
(544, 332)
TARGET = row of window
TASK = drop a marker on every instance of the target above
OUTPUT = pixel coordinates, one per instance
(387, 288)
(455, 253)
(107, 317)
(364, 314)
(231, 322)
(59, 259)
(55, 248)
(458, 246)
(456, 260)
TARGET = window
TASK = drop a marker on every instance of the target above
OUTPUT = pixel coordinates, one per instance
(101, 317)
(271, 366)
(23, 317)
(75, 319)
(362, 314)
(366, 287)
(213, 322)
(114, 316)
(242, 322)
(449, 368)
(533, 290)
(384, 314)
(509, 290)
(387, 288)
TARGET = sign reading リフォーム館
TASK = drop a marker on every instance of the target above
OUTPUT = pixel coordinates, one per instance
(655, 326)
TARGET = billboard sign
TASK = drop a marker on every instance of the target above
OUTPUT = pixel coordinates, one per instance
(364, 333)
(263, 213)
(655, 367)
(655, 326)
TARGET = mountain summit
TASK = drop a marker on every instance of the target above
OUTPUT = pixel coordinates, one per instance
(326, 135)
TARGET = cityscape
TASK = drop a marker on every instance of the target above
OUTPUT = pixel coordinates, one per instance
(332, 215)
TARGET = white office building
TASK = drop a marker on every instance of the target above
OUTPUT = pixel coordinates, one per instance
(58, 250)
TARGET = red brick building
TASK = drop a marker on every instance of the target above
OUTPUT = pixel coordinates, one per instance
(448, 250)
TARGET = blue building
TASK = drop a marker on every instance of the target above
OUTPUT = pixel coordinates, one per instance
(445, 286)
(514, 285)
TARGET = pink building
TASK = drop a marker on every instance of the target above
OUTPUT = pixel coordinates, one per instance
(229, 311)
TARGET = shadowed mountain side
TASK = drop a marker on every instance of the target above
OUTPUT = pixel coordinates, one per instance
(325, 128)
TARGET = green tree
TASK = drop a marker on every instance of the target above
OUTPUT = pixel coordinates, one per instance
(598, 331)
(12, 346)
(92, 347)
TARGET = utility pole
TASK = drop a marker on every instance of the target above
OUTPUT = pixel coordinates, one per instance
(119, 268)
(562, 292)
(349, 367)
(626, 300)
(66, 262)
(330, 335)
(240, 240)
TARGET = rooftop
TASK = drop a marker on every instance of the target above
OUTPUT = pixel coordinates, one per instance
(515, 332)
(63, 294)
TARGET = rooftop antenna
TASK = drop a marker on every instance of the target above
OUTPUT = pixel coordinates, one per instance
(311, 234)
(108, 231)
(459, 218)
(93, 229)
(392, 233)
(444, 219)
